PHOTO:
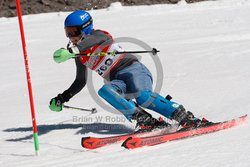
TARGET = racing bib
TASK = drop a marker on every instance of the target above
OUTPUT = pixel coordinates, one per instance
(103, 64)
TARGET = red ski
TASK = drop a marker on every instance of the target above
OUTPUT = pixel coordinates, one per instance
(95, 142)
(137, 142)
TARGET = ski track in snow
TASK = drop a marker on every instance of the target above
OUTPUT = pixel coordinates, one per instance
(204, 49)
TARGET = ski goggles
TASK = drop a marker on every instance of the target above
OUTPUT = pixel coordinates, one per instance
(73, 32)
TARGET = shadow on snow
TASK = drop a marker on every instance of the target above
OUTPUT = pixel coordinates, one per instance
(98, 128)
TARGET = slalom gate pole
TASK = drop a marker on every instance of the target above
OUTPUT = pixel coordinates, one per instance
(35, 131)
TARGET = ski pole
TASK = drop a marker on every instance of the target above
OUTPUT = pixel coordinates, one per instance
(93, 110)
(153, 51)
(67, 56)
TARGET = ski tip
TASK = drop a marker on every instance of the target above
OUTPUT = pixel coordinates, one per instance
(83, 141)
(245, 115)
(242, 119)
(124, 144)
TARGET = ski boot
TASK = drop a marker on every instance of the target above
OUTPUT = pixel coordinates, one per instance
(146, 122)
(187, 120)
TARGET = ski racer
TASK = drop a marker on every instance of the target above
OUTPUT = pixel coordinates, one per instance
(125, 75)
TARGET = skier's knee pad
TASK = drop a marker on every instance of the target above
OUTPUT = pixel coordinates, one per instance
(110, 94)
(155, 102)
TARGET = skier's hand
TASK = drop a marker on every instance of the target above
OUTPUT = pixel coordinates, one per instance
(56, 103)
(62, 55)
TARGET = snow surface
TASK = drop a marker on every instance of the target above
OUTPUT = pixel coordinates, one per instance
(205, 52)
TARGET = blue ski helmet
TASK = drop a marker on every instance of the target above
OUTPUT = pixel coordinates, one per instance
(80, 19)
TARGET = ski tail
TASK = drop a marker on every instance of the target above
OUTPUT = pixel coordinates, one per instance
(84, 143)
(93, 143)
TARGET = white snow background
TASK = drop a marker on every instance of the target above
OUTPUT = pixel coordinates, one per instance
(205, 53)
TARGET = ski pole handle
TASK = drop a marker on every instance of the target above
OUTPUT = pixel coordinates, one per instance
(93, 110)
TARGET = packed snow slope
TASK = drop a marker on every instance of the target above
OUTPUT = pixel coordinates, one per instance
(205, 54)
